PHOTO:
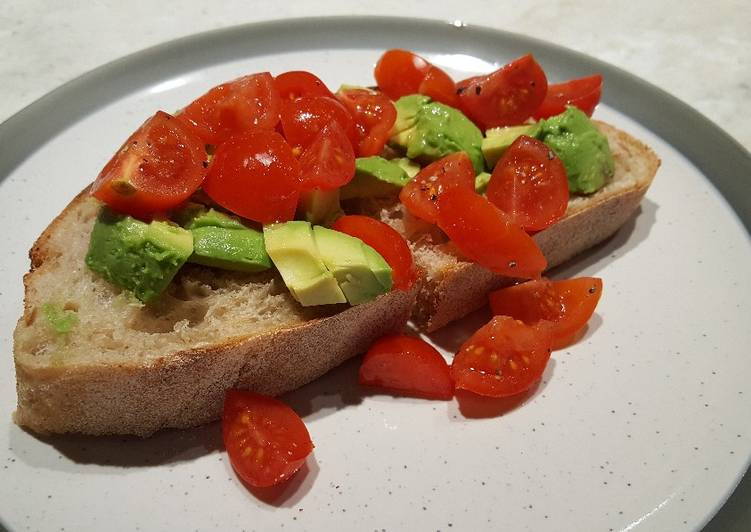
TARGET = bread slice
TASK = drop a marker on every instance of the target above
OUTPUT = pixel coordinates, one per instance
(453, 287)
(129, 368)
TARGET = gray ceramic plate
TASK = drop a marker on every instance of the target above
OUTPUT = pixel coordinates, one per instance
(642, 425)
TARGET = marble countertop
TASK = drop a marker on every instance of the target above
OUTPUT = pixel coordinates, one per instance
(699, 52)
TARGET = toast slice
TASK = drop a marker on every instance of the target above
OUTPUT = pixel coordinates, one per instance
(452, 287)
(129, 368)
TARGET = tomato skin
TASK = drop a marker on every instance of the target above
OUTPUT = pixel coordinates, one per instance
(297, 83)
(505, 97)
(529, 184)
(374, 115)
(503, 358)
(230, 108)
(157, 168)
(400, 72)
(407, 365)
(439, 86)
(266, 440)
(420, 195)
(387, 242)
(255, 175)
(329, 162)
(304, 117)
(583, 93)
(566, 304)
(487, 236)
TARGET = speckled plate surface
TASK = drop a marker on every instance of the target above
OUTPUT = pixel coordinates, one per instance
(642, 425)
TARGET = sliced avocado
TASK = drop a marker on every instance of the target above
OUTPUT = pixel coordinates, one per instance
(498, 140)
(345, 258)
(379, 267)
(140, 257)
(320, 206)
(481, 182)
(437, 130)
(213, 218)
(408, 165)
(406, 114)
(293, 249)
(375, 177)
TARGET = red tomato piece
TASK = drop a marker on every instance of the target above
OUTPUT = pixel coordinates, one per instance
(407, 365)
(245, 103)
(505, 97)
(529, 184)
(420, 195)
(158, 167)
(400, 72)
(486, 235)
(567, 304)
(255, 175)
(329, 162)
(374, 116)
(439, 86)
(583, 93)
(297, 83)
(503, 358)
(387, 242)
(304, 117)
(266, 440)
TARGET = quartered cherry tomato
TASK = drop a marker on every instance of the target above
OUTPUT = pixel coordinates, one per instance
(255, 175)
(158, 167)
(420, 195)
(439, 86)
(529, 184)
(387, 242)
(400, 72)
(297, 83)
(503, 358)
(374, 115)
(266, 440)
(505, 97)
(232, 107)
(567, 304)
(329, 162)
(487, 236)
(304, 117)
(407, 365)
(583, 93)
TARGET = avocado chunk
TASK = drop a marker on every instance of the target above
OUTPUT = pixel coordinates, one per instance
(481, 182)
(380, 268)
(344, 256)
(434, 131)
(497, 140)
(584, 151)
(137, 256)
(375, 177)
(293, 250)
(408, 165)
(320, 206)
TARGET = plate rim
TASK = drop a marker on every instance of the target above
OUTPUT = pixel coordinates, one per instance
(724, 162)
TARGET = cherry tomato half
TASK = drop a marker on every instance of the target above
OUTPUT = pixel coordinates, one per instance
(529, 184)
(255, 175)
(584, 93)
(503, 358)
(487, 236)
(407, 365)
(304, 117)
(420, 195)
(439, 86)
(245, 103)
(505, 97)
(158, 167)
(567, 304)
(387, 242)
(400, 72)
(374, 115)
(297, 83)
(266, 440)
(329, 162)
